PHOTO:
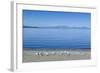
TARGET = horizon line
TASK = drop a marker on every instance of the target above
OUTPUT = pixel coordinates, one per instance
(81, 27)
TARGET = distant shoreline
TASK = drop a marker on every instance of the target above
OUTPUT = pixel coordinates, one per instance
(56, 27)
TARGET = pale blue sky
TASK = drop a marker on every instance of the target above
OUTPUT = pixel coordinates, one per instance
(53, 18)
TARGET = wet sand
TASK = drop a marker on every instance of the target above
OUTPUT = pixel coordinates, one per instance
(38, 56)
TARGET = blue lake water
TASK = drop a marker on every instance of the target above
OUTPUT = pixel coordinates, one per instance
(56, 38)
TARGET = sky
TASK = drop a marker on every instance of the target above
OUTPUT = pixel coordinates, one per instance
(53, 18)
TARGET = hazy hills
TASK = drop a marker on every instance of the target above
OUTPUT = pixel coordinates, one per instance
(63, 27)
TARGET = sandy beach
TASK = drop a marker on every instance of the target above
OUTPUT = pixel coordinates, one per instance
(38, 56)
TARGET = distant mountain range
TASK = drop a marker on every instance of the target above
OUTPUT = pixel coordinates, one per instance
(66, 27)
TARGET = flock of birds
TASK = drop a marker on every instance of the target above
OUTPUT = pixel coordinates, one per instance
(48, 53)
(57, 53)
